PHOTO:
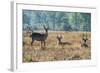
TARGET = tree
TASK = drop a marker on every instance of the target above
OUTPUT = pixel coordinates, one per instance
(57, 20)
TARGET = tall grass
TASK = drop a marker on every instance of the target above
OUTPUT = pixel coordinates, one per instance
(54, 51)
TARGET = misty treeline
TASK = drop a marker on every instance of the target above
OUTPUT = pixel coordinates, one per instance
(56, 20)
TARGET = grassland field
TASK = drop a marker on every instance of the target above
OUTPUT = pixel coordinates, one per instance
(54, 51)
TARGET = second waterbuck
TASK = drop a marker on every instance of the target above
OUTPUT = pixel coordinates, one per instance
(62, 43)
(40, 37)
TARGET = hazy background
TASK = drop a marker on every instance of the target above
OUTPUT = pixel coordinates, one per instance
(56, 20)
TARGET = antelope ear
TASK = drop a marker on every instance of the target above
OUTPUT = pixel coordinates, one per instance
(44, 27)
(58, 35)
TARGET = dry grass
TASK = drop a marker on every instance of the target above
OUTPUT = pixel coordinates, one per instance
(55, 52)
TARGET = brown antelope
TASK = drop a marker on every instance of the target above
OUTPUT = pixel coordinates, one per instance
(40, 36)
(62, 43)
(84, 39)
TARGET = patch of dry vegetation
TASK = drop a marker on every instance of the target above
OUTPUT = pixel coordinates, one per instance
(55, 52)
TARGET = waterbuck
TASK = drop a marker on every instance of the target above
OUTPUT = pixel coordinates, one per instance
(62, 43)
(40, 36)
(85, 40)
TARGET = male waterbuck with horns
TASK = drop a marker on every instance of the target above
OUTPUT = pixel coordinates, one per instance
(40, 36)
